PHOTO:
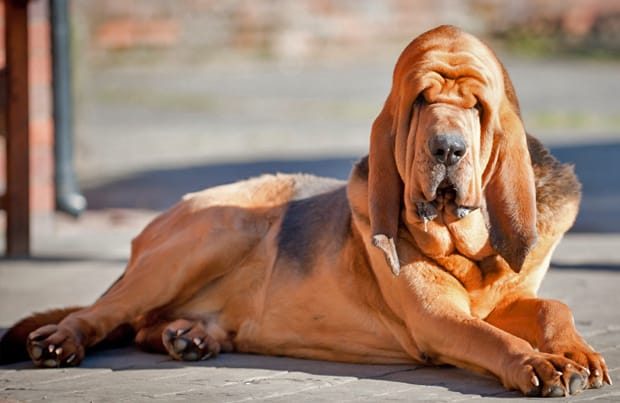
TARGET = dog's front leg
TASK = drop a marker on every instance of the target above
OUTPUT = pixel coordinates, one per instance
(549, 326)
(437, 313)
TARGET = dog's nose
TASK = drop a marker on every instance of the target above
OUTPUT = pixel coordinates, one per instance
(447, 149)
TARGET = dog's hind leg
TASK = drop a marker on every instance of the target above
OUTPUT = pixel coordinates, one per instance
(177, 255)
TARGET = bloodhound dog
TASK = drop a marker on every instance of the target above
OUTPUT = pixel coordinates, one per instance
(431, 253)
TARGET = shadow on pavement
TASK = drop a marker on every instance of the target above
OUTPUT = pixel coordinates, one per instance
(597, 165)
(444, 377)
(598, 168)
(160, 189)
(589, 267)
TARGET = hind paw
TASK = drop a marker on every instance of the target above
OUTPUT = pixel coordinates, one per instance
(189, 341)
(52, 346)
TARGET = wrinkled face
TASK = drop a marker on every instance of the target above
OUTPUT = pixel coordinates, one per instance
(442, 155)
(449, 140)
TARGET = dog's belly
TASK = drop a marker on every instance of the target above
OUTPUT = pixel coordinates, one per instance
(317, 316)
(315, 319)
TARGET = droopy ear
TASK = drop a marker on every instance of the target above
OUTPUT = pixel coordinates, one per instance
(510, 192)
(385, 189)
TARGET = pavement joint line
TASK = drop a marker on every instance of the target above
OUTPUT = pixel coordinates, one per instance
(412, 369)
(178, 392)
(306, 389)
(175, 375)
(256, 379)
(324, 384)
(601, 397)
(73, 377)
(406, 389)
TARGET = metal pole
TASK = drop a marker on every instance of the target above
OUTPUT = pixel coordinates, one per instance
(68, 197)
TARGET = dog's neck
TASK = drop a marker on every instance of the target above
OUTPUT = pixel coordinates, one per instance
(445, 236)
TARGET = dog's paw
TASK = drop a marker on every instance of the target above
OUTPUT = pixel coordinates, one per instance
(189, 341)
(590, 359)
(52, 346)
(548, 375)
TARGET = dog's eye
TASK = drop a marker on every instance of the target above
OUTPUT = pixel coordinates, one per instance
(478, 107)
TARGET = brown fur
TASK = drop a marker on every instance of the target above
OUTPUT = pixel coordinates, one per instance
(303, 266)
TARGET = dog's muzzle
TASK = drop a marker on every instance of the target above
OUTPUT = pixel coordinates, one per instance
(448, 150)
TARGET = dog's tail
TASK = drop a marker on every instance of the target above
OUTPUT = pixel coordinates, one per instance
(13, 343)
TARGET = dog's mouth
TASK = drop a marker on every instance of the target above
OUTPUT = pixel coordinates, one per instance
(444, 199)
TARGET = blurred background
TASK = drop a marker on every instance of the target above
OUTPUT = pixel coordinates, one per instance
(171, 97)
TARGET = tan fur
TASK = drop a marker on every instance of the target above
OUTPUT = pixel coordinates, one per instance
(296, 265)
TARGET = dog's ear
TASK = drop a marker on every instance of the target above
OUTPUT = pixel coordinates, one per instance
(510, 191)
(385, 188)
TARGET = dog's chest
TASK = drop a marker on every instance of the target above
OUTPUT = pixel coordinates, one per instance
(468, 237)
(462, 249)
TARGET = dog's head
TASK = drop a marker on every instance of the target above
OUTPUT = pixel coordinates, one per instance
(450, 140)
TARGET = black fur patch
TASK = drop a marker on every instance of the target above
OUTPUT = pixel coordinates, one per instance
(361, 168)
(557, 187)
(553, 177)
(314, 225)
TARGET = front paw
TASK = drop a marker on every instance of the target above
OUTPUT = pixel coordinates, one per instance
(548, 375)
(588, 358)
(53, 346)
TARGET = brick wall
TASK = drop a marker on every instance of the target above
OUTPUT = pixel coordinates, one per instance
(41, 125)
(302, 28)
(275, 28)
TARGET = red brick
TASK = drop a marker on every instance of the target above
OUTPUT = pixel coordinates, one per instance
(40, 69)
(42, 198)
(42, 133)
(40, 101)
(38, 36)
(38, 11)
(41, 165)
(115, 34)
(158, 32)
(123, 33)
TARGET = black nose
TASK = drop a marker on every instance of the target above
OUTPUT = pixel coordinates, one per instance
(447, 149)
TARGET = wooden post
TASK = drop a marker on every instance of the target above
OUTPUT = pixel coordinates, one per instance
(17, 120)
